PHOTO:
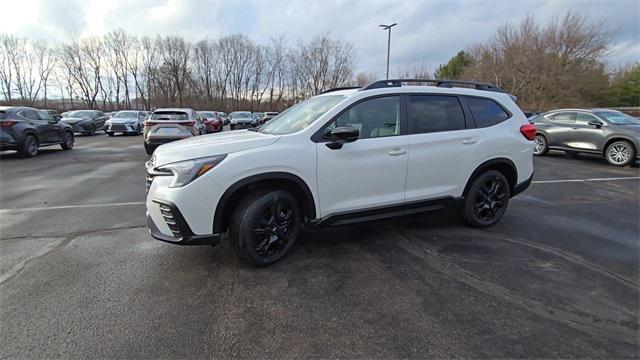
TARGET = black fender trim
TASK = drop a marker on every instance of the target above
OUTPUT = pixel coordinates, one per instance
(187, 237)
(310, 205)
(481, 167)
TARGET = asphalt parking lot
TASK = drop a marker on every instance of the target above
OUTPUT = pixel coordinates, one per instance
(80, 277)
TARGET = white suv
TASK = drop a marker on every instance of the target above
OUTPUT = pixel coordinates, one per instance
(343, 156)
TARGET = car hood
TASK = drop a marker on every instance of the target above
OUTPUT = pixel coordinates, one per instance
(73, 120)
(210, 145)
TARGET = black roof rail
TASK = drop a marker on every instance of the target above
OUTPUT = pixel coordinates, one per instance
(440, 83)
(340, 88)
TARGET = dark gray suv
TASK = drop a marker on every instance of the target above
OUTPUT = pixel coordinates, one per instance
(609, 133)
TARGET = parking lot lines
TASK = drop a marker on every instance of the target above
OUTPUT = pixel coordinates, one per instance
(62, 207)
(584, 180)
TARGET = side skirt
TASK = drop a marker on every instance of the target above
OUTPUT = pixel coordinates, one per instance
(384, 212)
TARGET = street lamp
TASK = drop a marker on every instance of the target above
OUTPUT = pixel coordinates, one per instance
(388, 27)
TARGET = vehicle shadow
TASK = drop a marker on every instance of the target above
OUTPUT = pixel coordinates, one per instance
(587, 159)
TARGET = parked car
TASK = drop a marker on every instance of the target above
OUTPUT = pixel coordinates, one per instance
(258, 116)
(26, 129)
(609, 133)
(242, 119)
(268, 116)
(340, 157)
(54, 114)
(224, 117)
(126, 122)
(211, 121)
(167, 125)
(86, 121)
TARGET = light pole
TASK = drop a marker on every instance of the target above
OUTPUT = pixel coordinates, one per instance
(388, 27)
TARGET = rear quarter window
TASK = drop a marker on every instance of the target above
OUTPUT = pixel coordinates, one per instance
(435, 113)
(486, 112)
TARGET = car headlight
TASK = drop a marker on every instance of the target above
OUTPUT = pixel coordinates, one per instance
(185, 172)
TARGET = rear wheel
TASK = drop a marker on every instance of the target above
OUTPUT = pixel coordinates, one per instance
(110, 133)
(92, 131)
(487, 199)
(264, 226)
(620, 153)
(541, 147)
(67, 141)
(29, 146)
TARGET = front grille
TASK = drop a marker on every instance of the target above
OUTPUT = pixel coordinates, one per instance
(118, 127)
(170, 220)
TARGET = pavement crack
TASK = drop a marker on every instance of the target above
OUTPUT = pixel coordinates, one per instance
(51, 248)
(590, 324)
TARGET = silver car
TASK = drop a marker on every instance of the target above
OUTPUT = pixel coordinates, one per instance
(609, 133)
(126, 122)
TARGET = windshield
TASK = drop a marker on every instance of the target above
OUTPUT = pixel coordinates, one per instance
(207, 114)
(240, 115)
(301, 115)
(126, 114)
(81, 114)
(618, 118)
(169, 115)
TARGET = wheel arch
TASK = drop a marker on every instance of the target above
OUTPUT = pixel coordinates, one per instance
(503, 165)
(617, 138)
(280, 180)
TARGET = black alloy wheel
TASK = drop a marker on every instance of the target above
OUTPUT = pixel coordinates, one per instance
(265, 226)
(67, 141)
(487, 199)
(29, 147)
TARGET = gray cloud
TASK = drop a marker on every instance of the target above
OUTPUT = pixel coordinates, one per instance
(427, 31)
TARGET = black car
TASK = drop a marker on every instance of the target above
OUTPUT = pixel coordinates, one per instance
(26, 129)
(86, 121)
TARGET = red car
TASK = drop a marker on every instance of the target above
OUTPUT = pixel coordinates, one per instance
(212, 121)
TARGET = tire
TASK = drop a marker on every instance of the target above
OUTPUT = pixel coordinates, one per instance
(92, 131)
(29, 146)
(487, 199)
(139, 130)
(110, 133)
(67, 142)
(541, 146)
(149, 148)
(620, 153)
(232, 127)
(264, 226)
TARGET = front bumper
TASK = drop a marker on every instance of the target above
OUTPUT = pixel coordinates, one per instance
(182, 234)
(81, 128)
(124, 128)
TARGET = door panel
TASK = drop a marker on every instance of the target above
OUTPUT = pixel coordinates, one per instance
(585, 136)
(370, 172)
(364, 174)
(560, 132)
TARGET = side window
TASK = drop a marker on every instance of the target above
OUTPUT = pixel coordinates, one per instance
(564, 117)
(584, 118)
(373, 118)
(29, 114)
(435, 113)
(486, 112)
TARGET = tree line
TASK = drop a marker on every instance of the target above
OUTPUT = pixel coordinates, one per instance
(121, 71)
(560, 64)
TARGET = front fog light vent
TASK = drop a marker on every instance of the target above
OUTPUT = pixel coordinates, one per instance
(169, 220)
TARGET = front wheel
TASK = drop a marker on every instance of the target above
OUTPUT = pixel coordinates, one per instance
(540, 147)
(67, 141)
(29, 146)
(264, 227)
(487, 199)
(620, 153)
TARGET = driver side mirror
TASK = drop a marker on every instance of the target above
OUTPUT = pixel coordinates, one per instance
(597, 123)
(342, 135)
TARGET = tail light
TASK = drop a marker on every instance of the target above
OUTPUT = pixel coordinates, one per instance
(7, 123)
(149, 123)
(528, 131)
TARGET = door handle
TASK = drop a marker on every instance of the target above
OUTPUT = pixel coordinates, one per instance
(397, 152)
(469, 141)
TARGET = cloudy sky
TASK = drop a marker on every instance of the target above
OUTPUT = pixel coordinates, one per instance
(428, 31)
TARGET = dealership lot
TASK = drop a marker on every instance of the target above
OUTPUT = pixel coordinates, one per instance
(80, 276)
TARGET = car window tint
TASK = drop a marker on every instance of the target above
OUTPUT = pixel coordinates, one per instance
(435, 113)
(30, 114)
(584, 118)
(373, 118)
(486, 112)
(564, 117)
